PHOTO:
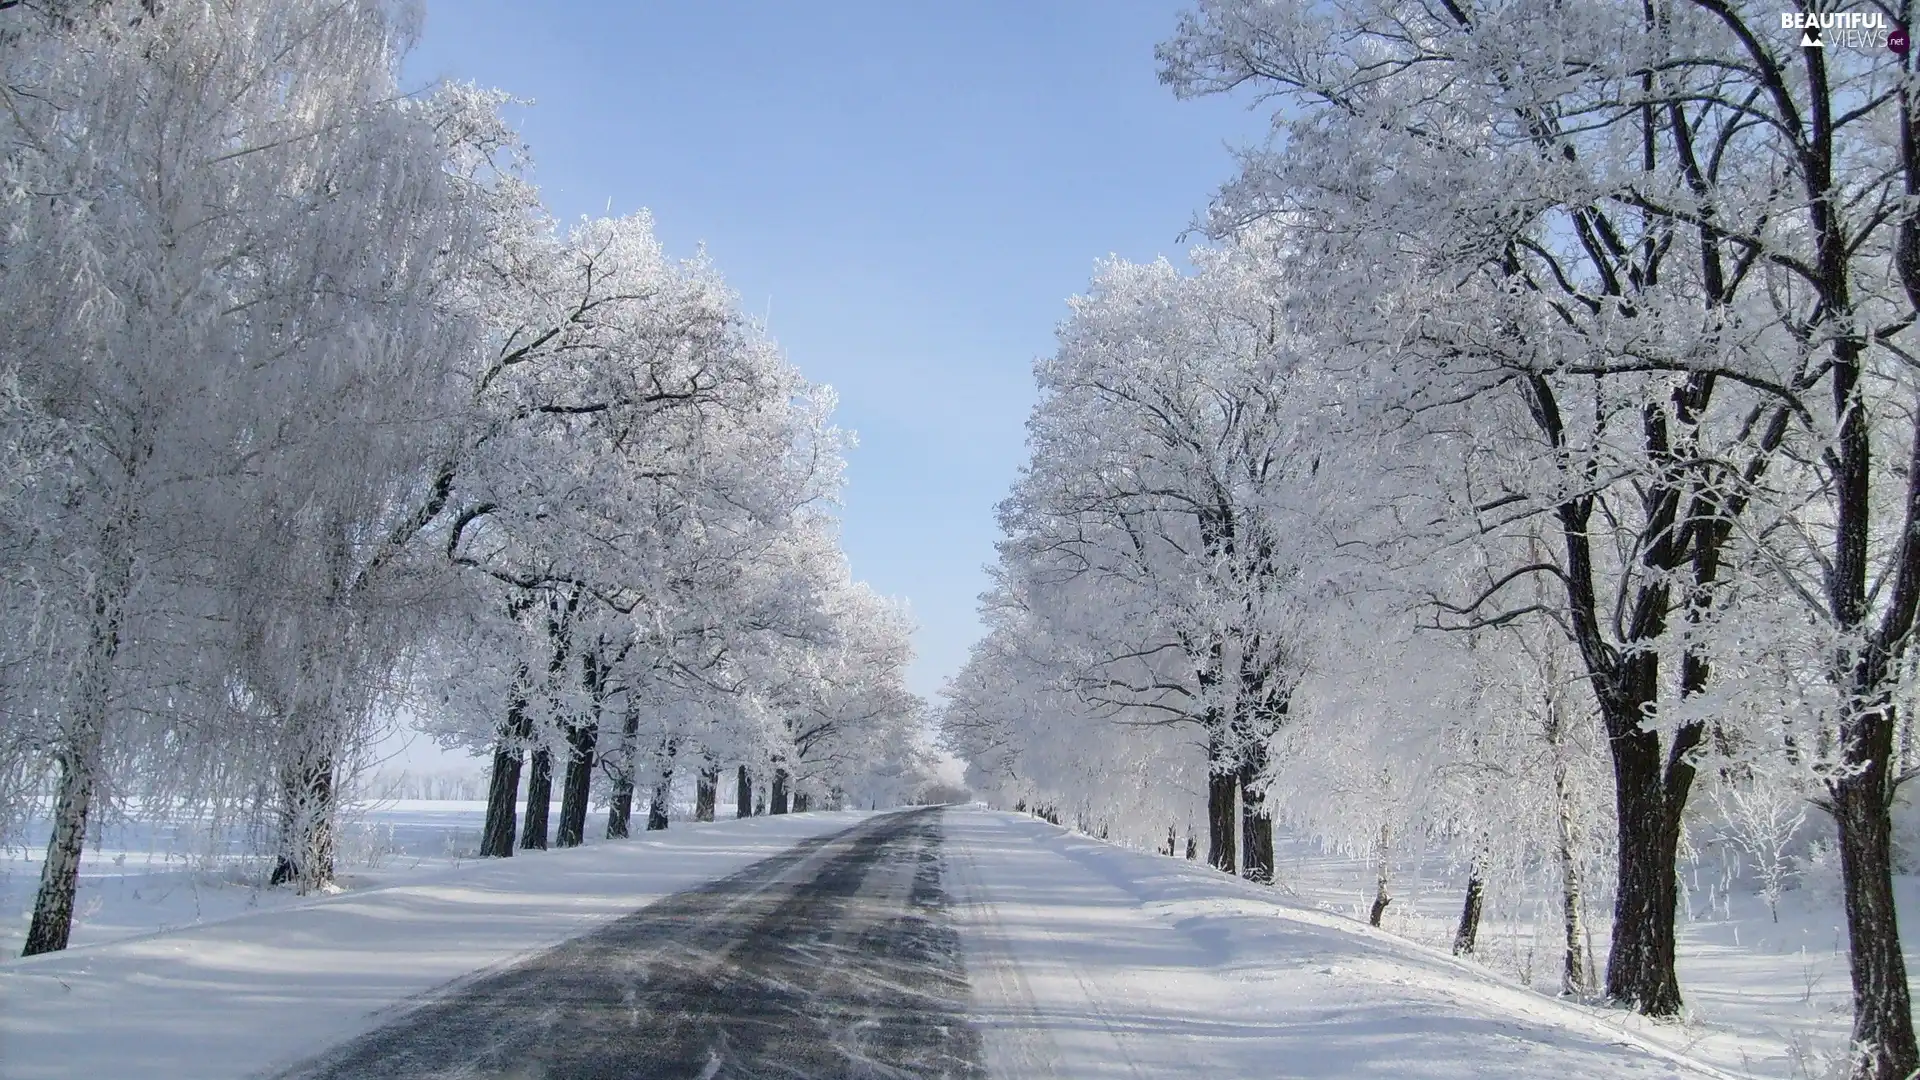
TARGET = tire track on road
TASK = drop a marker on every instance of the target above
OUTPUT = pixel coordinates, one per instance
(835, 959)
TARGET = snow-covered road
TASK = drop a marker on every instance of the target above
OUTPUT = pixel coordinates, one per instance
(954, 943)
(832, 960)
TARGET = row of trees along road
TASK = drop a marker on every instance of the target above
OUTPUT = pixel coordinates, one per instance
(314, 418)
(1534, 448)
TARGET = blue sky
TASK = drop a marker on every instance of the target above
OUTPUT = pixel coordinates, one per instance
(908, 191)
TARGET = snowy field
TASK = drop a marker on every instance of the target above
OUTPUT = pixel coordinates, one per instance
(144, 878)
(1764, 999)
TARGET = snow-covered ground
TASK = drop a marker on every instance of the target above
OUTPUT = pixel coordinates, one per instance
(1764, 999)
(140, 878)
(1088, 960)
(230, 997)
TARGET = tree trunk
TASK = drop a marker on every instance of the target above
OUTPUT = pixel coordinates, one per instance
(582, 740)
(1467, 934)
(1649, 792)
(85, 742)
(1380, 897)
(801, 801)
(620, 802)
(540, 784)
(306, 822)
(662, 788)
(503, 819)
(760, 802)
(743, 794)
(79, 771)
(620, 809)
(503, 787)
(706, 790)
(539, 794)
(1882, 1009)
(1640, 971)
(1575, 979)
(657, 810)
(1220, 823)
(1256, 827)
(1260, 711)
(779, 798)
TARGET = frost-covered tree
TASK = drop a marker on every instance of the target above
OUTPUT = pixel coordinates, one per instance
(1660, 253)
(309, 414)
(222, 226)
(1154, 531)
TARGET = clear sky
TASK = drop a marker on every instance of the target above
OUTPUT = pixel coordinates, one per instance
(907, 191)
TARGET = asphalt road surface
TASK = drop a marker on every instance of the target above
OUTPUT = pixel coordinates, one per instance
(834, 959)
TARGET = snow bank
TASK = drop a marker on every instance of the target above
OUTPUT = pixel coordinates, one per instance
(234, 997)
(1091, 960)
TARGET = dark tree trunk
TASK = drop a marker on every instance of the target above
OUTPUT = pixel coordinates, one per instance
(662, 788)
(779, 798)
(657, 816)
(801, 801)
(1220, 824)
(1256, 827)
(1261, 711)
(1640, 972)
(503, 786)
(1882, 1007)
(620, 810)
(706, 791)
(581, 742)
(1380, 902)
(743, 793)
(1193, 847)
(1173, 841)
(620, 801)
(760, 802)
(1649, 792)
(1467, 934)
(539, 794)
(540, 781)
